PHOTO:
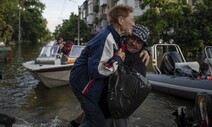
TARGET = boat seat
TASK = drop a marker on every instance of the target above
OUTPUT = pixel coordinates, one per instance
(168, 62)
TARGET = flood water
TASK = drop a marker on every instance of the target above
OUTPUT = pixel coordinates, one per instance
(33, 105)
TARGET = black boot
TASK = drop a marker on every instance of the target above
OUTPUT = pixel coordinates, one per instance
(73, 124)
(6, 120)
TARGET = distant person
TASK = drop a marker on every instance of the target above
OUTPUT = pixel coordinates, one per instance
(60, 43)
(66, 51)
(99, 59)
(69, 47)
(64, 48)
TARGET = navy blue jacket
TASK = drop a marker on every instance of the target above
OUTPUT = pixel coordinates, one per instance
(97, 61)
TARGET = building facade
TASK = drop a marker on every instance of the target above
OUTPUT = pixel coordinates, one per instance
(94, 12)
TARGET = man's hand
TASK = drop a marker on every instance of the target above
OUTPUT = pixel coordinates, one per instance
(121, 54)
(145, 55)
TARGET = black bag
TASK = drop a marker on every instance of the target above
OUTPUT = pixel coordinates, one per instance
(127, 89)
(186, 70)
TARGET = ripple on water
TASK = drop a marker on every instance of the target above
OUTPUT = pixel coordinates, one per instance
(15, 86)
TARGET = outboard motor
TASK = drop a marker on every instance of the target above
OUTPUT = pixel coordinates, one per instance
(168, 62)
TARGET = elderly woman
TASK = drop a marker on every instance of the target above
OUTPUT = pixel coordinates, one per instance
(98, 60)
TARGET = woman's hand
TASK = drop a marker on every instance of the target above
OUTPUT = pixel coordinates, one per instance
(145, 55)
(121, 54)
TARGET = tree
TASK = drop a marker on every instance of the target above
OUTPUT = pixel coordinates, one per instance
(68, 29)
(8, 12)
(202, 24)
(33, 25)
(190, 28)
(162, 17)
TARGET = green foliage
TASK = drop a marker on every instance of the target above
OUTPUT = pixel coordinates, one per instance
(203, 21)
(8, 10)
(175, 19)
(69, 30)
(33, 25)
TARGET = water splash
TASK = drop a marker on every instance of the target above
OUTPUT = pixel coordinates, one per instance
(23, 123)
(52, 123)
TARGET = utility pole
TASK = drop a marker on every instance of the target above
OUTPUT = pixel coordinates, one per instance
(78, 26)
(19, 24)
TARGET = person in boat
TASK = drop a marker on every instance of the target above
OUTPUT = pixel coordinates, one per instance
(99, 59)
(66, 49)
(60, 43)
(135, 45)
(69, 47)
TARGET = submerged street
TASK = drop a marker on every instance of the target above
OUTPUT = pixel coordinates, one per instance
(33, 105)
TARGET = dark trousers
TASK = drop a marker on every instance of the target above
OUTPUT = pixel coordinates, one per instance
(89, 103)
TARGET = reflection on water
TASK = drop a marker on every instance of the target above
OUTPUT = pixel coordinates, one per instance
(25, 98)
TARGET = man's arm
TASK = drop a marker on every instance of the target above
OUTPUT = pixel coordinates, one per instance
(145, 56)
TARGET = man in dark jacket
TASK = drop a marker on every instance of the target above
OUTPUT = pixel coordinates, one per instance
(135, 44)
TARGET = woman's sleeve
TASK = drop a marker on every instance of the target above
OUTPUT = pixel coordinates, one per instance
(103, 60)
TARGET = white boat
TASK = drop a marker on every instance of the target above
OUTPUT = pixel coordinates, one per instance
(50, 68)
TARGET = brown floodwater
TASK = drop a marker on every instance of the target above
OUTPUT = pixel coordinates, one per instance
(33, 105)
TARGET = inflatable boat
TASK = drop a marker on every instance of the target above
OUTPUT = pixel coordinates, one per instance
(174, 76)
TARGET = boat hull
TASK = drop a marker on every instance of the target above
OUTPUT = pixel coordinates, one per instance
(54, 79)
(50, 75)
(185, 87)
